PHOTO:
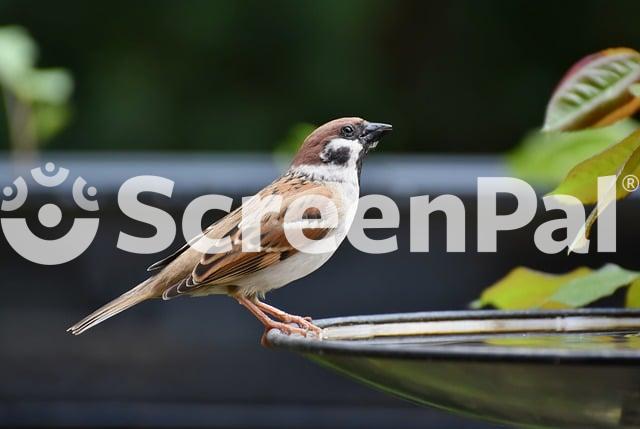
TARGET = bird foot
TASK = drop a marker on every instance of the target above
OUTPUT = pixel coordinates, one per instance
(303, 327)
(302, 322)
(286, 323)
(288, 329)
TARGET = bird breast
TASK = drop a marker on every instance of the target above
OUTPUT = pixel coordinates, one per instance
(301, 264)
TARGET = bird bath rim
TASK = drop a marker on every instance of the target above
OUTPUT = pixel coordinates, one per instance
(364, 335)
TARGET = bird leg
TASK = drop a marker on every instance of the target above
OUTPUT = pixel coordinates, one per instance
(268, 322)
(303, 322)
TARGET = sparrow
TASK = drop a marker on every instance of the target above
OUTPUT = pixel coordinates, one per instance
(327, 165)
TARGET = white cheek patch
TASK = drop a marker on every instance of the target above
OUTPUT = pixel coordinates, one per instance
(341, 152)
(340, 158)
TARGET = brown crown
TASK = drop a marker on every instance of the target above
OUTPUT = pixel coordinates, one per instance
(309, 152)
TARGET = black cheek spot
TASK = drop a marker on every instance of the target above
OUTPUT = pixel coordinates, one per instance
(338, 156)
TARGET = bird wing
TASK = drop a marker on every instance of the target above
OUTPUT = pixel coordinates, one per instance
(225, 268)
(219, 229)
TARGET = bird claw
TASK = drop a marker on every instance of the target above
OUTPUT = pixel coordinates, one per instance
(286, 323)
(287, 329)
(263, 339)
(304, 323)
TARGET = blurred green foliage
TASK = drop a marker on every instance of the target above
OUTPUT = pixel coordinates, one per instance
(545, 158)
(35, 100)
(460, 75)
(290, 144)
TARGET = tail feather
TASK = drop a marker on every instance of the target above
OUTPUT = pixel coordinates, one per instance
(127, 300)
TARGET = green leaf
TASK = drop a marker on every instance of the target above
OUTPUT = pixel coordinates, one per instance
(619, 160)
(598, 284)
(631, 167)
(595, 91)
(524, 288)
(633, 295)
(546, 158)
(582, 180)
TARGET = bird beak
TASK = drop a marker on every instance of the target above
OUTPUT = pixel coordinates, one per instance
(373, 132)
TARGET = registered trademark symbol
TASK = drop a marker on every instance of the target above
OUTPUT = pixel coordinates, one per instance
(630, 182)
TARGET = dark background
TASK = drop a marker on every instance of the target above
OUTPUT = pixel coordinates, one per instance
(164, 87)
(455, 76)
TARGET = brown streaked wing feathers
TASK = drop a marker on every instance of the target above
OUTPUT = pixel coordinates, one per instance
(226, 268)
(222, 227)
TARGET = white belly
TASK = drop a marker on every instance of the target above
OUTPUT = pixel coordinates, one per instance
(282, 273)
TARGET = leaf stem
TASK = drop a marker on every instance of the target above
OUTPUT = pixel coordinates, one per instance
(20, 123)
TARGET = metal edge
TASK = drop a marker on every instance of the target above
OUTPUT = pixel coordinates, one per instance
(462, 353)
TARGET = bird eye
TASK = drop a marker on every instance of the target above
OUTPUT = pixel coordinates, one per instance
(347, 131)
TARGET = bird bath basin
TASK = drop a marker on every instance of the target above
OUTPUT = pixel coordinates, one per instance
(570, 369)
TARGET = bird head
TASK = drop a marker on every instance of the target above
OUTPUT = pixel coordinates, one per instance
(340, 144)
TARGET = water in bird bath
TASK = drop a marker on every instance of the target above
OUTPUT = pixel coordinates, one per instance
(624, 340)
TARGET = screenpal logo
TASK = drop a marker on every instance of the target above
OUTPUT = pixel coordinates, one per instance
(39, 250)
(295, 222)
